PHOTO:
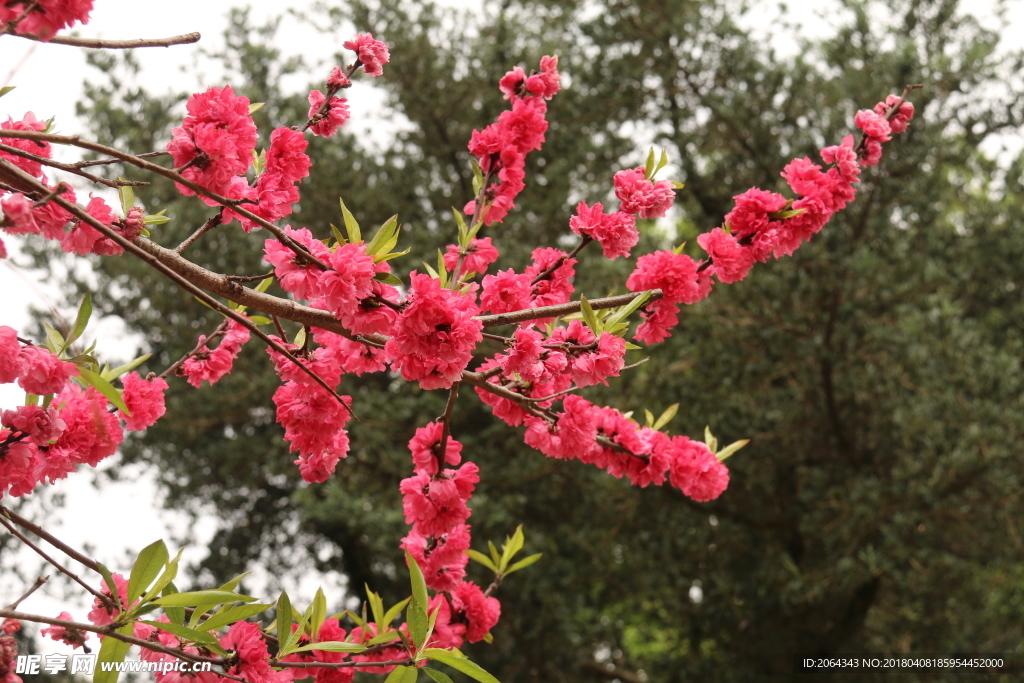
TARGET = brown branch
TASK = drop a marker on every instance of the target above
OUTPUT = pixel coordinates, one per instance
(233, 204)
(182, 282)
(453, 395)
(49, 538)
(111, 632)
(103, 162)
(476, 379)
(213, 222)
(35, 586)
(562, 309)
(408, 661)
(584, 241)
(219, 332)
(71, 168)
(57, 565)
(100, 44)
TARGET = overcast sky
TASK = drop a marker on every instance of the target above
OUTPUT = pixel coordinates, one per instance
(49, 80)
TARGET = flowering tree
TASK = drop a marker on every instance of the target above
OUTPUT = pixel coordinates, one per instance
(357, 316)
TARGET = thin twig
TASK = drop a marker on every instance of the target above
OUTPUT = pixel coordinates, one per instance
(249, 278)
(71, 168)
(57, 565)
(35, 586)
(103, 162)
(561, 309)
(49, 538)
(100, 44)
(219, 332)
(584, 241)
(213, 222)
(111, 632)
(442, 444)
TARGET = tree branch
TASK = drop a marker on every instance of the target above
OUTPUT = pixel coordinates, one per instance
(100, 44)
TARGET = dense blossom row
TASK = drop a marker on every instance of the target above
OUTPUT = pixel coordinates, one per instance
(425, 331)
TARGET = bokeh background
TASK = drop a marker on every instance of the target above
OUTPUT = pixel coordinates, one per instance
(877, 372)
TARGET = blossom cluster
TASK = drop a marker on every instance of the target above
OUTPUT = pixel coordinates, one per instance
(72, 426)
(43, 18)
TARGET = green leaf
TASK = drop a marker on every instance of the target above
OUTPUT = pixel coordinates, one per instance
(338, 237)
(255, 107)
(259, 161)
(632, 347)
(264, 284)
(523, 563)
(474, 671)
(170, 571)
(147, 567)
(589, 317)
(54, 339)
(351, 225)
(393, 255)
(419, 585)
(234, 614)
(184, 632)
(330, 646)
(382, 241)
(318, 612)
(430, 269)
(202, 598)
(105, 388)
(388, 278)
(438, 676)
(377, 607)
(678, 185)
(667, 416)
(649, 165)
(111, 375)
(284, 619)
(663, 162)
(108, 580)
(650, 417)
(112, 651)
(478, 176)
(731, 448)
(155, 219)
(482, 559)
(464, 238)
(6, 89)
(390, 615)
(127, 196)
(625, 311)
(385, 637)
(260, 320)
(402, 674)
(512, 546)
(710, 440)
(175, 614)
(495, 557)
(81, 320)
(300, 337)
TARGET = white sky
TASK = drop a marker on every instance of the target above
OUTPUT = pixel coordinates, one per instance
(48, 80)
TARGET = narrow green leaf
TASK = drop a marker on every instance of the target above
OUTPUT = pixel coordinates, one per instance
(105, 388)
(442, 270)
(589, 317)
(438, 676)
(127, 196)
(6, 89)
(377, 607)
(338, 237)
(663, 162)
(112, 651)
(632, 347)
(383, 236)
(495, 557)
(710, 440)
(511, 547)
(54, 339)
(300, 337)
(260, 320)
(331, 646)
(264, 284)
(393, 255)
(385, 637)
(482, 559)
(81, 320)
(478, 176)
(625, 311)
(474, 671)
(351, 225)
(255, 107)
(284, 619)
(523, 563)
(649, 165)
(390, 615)
(108, 580)
(731, 448)
(419, 585)
(184, 632)
(388, 278)
(667, 416)
(147, 567)
(234, 614)
(170, 571)
(402, 674)
(650, 417)
(202, 598)
(677, 184)
(175, 614)
(430, 269)
(111, 375)
(319, 611)
(354, 617)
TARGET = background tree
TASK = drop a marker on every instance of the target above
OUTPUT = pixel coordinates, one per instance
(877, 372)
